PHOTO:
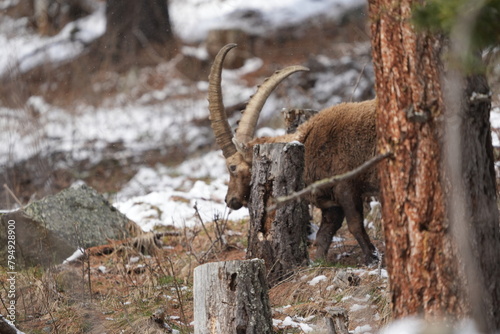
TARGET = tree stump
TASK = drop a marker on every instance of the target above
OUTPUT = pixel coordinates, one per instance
(279, 236)
(6, 327)
(337, 321)
(231, 297)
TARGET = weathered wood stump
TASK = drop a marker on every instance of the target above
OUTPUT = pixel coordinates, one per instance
(279, 236)
(231, 297)
(6, 327)
(337, 321)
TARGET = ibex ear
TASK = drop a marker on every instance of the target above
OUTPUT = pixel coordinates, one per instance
(240, 147)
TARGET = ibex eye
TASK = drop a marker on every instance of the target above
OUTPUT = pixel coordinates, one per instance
(232, 168)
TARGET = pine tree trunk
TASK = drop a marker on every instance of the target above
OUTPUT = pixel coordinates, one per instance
(421, 253)
(472, 199)
(231, 297)
(279, 237)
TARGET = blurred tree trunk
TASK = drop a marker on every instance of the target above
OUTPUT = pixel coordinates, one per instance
(427, 267)
(134, 26)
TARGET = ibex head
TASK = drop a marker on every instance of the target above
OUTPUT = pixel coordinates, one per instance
(237, 150)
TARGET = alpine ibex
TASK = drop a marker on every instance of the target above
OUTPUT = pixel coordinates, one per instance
(336, 140)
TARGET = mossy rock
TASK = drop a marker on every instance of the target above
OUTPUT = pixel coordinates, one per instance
(50, 230)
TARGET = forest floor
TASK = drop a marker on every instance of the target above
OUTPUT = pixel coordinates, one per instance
(125, 291)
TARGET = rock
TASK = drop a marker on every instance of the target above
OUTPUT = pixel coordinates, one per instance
(50, 230)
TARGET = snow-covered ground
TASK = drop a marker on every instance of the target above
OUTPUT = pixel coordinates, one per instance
(192, 19)
(166, 196)
(23, 50)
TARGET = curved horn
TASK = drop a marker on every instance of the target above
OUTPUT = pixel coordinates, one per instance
(218, 117)
(248, 122)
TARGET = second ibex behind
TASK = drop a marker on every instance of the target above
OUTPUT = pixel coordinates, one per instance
(336, 140)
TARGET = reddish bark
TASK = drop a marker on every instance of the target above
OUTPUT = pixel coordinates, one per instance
(420, 257)
(427, 267)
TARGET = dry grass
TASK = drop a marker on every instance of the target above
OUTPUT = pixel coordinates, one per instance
(125, 291)
(128, 292)
(341, 287)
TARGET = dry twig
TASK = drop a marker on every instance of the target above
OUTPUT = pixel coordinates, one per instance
(11, 193)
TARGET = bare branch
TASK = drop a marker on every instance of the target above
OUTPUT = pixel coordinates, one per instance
(11, 193)
(328, 181)
(359, 79)
(195, 207)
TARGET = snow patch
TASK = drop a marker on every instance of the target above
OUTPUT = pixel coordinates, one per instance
(76, 255)
(26, 51)
(317, 280)
(289, 322)
(192, 19)
(379, 272)
(357, 307)
(413, 325)
(362, 329)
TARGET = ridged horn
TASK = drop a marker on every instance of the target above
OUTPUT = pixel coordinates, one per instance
(248, 122)
(218, 117)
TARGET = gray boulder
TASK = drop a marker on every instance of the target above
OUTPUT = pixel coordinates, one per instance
(50, 230)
